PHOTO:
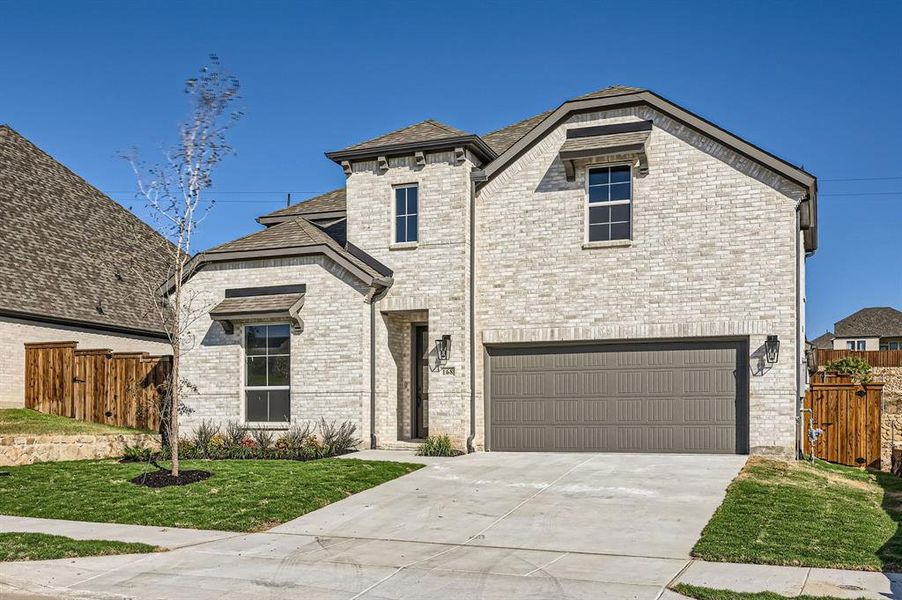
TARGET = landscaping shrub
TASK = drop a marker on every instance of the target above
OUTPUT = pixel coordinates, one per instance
(137, 454)
(438, 445)
(203, 435)
(338, 440)
(857, 368)
(300, 442)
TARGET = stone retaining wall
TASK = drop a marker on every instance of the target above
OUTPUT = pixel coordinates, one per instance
(891, 422)
(28, 449)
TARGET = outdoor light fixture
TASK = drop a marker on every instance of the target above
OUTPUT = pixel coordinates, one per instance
(443, 348)
(772, 349)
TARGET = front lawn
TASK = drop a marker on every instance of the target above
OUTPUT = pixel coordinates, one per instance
(796, 513)
(40, 546)
(702, 593)
(242, 495)
(24, 421)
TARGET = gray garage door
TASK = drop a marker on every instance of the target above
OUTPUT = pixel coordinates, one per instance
(655, 397)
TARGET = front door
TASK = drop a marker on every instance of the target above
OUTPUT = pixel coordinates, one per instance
(419, 424)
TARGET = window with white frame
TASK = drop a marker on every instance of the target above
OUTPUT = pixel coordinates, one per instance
(267, 350)
(609, 210)
(406, 213)
(855, 345)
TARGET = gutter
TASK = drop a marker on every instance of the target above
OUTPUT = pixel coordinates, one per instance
(373, 441)
(800, 343)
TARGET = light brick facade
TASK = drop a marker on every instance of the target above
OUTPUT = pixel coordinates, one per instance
(15, 333)
(716, 252)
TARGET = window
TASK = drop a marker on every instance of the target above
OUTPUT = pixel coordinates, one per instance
(610, 197)
(267, 351)
(406, 214)
(855, 345)
(891, 346)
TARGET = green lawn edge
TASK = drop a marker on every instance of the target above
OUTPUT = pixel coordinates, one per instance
(811, 515)
(17, 546)
(24, 422)
(704, 593)
(242, 495)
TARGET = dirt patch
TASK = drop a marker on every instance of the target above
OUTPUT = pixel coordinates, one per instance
(161, 479)
(782, 468)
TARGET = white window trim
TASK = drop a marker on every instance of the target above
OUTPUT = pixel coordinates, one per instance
(586, 204)
(242, 396)
(395, 244)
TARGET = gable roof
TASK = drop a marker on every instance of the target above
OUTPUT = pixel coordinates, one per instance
(66, 242)
(878, 321)
(330, 204)
(502, 139)
(623, 96)
(294, 237)
(823, 341)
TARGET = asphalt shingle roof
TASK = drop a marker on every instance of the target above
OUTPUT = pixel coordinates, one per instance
(256, 304)
(295, 233)
(823, 341)
(63, 243)
(424, 131)
(878, 321)
(333, 201)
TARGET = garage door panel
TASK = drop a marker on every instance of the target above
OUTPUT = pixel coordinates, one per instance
(656, 397)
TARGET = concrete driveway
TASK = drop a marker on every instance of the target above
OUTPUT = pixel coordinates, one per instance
(488, 525)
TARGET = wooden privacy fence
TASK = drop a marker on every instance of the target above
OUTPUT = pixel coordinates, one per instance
(100, 386)
(875, 358)
(849, 414)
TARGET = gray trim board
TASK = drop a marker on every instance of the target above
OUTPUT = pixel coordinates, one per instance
(472, 142)
(267, 290)
(629, 127)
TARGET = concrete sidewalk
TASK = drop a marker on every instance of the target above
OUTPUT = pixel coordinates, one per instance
(165, 537)
(791, 581)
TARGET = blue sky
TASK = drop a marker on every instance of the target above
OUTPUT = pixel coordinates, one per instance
(817, 83)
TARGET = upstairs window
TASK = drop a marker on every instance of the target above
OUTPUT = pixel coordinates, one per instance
(609, 211)
(406, 211)
(267, 351)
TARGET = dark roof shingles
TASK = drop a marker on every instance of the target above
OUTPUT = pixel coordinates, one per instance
(879, 321)
(424, 131)
(64, 242)
(329, 202)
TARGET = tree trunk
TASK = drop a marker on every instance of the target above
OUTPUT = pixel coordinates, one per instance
(174, 410)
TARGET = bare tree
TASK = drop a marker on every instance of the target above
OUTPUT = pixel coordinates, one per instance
(174, 191)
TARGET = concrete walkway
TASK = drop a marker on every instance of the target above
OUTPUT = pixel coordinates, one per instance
(792, 581)
(165, 537)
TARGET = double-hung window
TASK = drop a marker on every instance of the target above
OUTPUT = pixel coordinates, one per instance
(406, 212)
(267, 351)
(609, 212)
(855, 345)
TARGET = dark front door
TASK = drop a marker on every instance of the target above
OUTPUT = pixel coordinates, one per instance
(419, 427)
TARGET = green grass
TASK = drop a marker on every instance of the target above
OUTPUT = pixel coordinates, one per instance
(242, 495)
(24, 421)
(40, 546)
(795, 513)
(702, 593)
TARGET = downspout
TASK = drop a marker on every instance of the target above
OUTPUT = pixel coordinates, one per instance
(470, 445)
(373, 373)
(799, 343)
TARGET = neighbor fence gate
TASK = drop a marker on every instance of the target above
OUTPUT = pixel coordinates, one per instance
(96, 385)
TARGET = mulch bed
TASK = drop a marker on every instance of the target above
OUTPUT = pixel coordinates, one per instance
(161, 479)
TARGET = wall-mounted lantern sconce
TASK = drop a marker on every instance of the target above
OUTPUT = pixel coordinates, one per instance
(772, 349)
(443, 348)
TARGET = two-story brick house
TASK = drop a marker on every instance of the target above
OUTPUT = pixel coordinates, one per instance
(601, 277)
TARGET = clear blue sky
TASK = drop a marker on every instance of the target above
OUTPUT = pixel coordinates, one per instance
(817, 83)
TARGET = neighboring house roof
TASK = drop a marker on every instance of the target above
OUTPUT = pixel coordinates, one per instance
(295, 237)
(330, 204)
(65, 243)
(878, 321)
(823, 341)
